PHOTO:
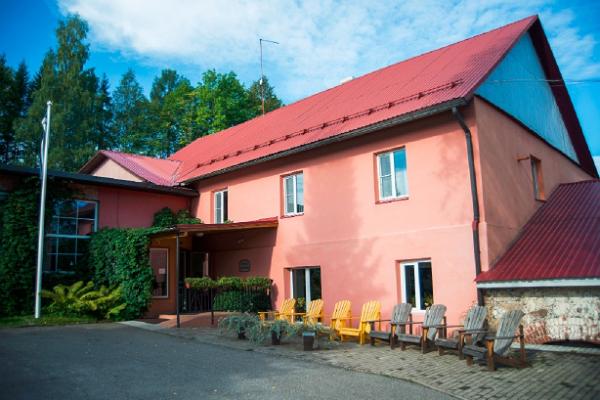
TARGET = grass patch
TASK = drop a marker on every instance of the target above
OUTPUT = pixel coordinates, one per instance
(46, 320)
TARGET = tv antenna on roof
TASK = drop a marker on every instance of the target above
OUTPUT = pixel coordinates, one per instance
(262, 75)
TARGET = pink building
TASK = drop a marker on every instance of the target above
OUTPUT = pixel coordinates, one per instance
(402, 185)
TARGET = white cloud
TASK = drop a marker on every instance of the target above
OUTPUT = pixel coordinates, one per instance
(597, 162)
(321, 41)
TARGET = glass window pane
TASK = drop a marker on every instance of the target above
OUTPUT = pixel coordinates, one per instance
(54, 225)
(225, 214)
(386, 186)
(66, 208)
(315, 283)
(426, 285)
(85, 226)
(300, 193)
(67, 226)
(400, 172)
(289, 194)
(384, 164)
(218, 216)
(299, 282)
(65, 262)
(159, 264)
(66, 245)
(86, 209)
(409, 284)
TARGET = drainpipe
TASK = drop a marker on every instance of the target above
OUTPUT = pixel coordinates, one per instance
(474, 197)
(177, 277)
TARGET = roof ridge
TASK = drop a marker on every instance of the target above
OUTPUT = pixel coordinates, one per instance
(378, 70)
(141, 156)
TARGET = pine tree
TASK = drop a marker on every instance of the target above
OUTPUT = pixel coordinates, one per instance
(272, 102)
(14, 87)
(169, 102)
(132, 118)
(72, 90)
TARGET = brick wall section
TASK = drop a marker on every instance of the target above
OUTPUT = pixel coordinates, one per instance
(551, 314)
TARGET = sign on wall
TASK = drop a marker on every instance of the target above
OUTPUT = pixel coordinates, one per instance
(245, 265)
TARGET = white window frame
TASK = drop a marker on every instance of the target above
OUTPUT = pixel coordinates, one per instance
(417, 282)
(165, 249)
(294, 178)
(68, 236)
(390, 154)
(222, 202)
(308, 296)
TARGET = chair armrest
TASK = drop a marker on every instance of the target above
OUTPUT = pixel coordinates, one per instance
(473, 331)
(411, 323)
(492, 337)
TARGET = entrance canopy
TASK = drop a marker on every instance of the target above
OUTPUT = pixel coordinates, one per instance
(186, 229)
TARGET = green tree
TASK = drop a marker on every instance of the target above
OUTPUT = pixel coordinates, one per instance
(272, 102)
(132, 123)
(218, 102)
(13, 104)
(169, 103)
(73, 91)
(103, 117)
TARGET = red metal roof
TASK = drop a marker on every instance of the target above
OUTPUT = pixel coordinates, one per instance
(155, 170)
(450, 73)
(561, 241)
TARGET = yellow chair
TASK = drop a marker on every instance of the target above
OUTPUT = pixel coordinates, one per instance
(371, 311)
(286, 312)
(313, 314)
(342, 313)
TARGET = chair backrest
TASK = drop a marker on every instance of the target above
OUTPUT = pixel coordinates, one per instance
(434, 316)
(506, 328)
(314, 311)
(475, 320)
(401, 313)
(287, 308)
(371, 311)
(341, 309)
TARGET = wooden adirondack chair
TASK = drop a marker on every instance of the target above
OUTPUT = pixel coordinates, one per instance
(342, 313)
(474, 322)
(286, 312)
(498, 345)
(371, 311)
(434, 318)
(313, 314)
(401, 316)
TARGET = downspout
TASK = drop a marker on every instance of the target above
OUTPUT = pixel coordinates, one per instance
(177, 277)
(474, 197)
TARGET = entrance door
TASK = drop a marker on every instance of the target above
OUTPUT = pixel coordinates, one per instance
(305, 284)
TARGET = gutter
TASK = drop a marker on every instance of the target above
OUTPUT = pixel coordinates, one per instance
(474, 198)
(388, 123)
(543, 283)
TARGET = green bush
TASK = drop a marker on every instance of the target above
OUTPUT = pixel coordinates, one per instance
(166, 218)
(122, 257)
(203, 283)
(80, 300)
(18, 243)
(236, 300)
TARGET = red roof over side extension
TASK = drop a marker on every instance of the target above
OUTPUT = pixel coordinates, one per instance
(561, 241)
(155, 170)
(450, 73)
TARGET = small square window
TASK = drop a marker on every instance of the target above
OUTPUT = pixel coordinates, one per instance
(391, 173)
(293, 194)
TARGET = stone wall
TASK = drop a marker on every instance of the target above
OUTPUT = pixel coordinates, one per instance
(551, 314)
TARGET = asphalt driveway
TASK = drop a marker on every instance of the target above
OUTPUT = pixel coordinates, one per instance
(113, 361)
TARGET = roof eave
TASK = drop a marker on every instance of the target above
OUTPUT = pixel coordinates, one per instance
(540, 283)
(401, 119)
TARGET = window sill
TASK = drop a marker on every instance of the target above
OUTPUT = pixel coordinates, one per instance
(392, 200)
(292, 215)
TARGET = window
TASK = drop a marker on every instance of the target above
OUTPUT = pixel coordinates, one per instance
(391, 171)
(68, 235)
(221, 207)
(305, 283)
(536, 175)
(417, 284)
(159, 261)
(293, 194)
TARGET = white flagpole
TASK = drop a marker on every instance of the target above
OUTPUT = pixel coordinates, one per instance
(40, 255)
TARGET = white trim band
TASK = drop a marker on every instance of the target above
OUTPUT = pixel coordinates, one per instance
(540, 283)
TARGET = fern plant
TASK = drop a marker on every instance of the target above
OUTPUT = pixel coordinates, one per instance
(81, 299)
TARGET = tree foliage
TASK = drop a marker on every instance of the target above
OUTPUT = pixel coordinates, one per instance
(87, 117)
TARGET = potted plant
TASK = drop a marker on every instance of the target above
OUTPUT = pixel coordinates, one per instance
(310, 335)
(238, 323)
(279, 329)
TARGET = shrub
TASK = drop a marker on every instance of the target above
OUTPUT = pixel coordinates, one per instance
(79, 300)
(237, 300)
(203, 283)
(230, 282)
(166, 218)
(121, 257)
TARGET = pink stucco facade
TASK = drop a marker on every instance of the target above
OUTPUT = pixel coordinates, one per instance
(358, 241)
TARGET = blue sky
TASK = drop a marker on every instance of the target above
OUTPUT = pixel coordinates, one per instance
(322, 42)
